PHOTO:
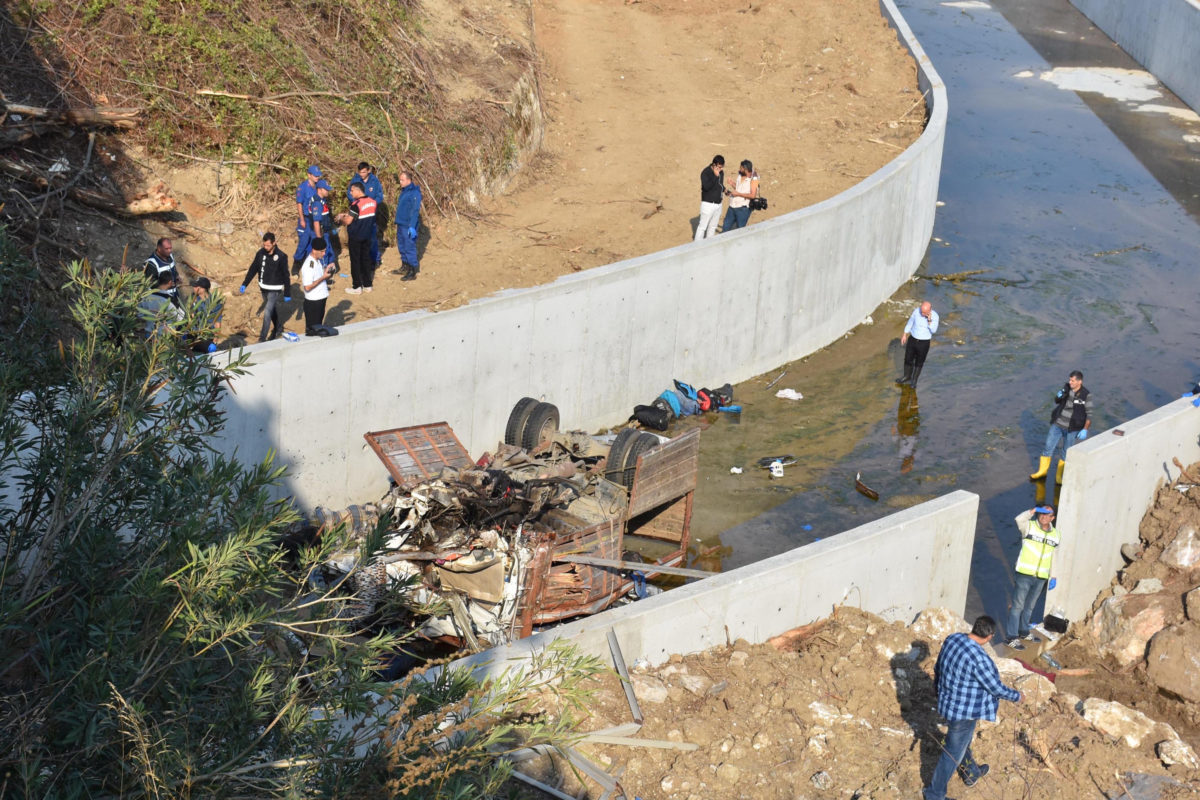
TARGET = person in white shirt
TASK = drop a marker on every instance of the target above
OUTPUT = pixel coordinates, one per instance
(314, 277)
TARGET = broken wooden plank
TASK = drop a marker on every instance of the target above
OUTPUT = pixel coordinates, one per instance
(634, 566)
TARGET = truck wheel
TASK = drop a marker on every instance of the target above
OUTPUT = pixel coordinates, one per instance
(644, 443)
(540, 426)
(614, 465)
(516, 420)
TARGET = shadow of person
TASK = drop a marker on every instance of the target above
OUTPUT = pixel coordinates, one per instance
(339, 314)
(695, 224)
(917, 697)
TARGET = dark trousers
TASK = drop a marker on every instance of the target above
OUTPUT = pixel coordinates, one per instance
(272, 313)
(314, 314)
(914, 352)
(362, 268)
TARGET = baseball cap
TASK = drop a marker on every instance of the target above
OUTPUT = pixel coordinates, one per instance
(323, 184)
(1044, 510)
(203, 283)
(315, 171)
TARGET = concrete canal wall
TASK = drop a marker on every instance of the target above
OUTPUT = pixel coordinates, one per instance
(1108, 484)
(1161, 35)
(599, 342)
(895, 567)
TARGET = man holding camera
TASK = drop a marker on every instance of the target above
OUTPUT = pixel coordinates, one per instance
(314, 274)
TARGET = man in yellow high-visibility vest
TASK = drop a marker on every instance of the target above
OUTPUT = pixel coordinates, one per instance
(1039, 540)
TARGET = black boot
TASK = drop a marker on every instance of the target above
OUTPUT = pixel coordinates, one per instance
(916, 373)
(908, 376)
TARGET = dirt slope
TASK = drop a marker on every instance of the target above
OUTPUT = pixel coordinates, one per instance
(639, 96)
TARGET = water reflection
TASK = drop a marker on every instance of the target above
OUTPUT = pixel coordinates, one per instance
(908, 423)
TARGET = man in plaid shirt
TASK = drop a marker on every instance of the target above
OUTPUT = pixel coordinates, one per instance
(968, 689)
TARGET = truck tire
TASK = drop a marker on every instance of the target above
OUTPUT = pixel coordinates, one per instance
(516, 420)
(540, 426)
(614, 465)
(644, 443)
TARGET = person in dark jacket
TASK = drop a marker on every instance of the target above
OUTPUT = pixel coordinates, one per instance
(1069, 423)
(408, 220)
(160, 261)
(712, 191)
(360, 232)
(373, 189)
(271, 267)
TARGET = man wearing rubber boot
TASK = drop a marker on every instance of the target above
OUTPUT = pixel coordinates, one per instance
(922, 325)
(1039, 540)
(1069, 423)
(968, 690)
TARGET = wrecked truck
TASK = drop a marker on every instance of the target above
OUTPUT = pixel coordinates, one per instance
(552, 525)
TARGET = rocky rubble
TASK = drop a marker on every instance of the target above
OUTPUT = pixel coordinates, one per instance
(1146, 626)
(846, 709)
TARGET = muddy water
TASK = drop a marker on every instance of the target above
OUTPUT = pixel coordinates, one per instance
(1071, 181)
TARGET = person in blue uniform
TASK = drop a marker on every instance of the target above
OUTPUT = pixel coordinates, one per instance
(408, 220)
(321, 220)
(304, 234)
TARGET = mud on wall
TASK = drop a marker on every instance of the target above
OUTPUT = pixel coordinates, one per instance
(1161, 35)
(598, 342)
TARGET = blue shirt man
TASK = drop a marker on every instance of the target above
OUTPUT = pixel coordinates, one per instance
(968, 689)
(922, 325)
(320, 220)
(408, 220)
(373, 189)
(304, 193)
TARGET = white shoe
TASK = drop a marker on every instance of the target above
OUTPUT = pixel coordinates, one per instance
(352, 290)
(367, 289)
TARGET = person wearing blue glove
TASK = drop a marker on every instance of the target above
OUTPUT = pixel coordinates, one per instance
(1069, 423)
(271, 267)
(408, 220)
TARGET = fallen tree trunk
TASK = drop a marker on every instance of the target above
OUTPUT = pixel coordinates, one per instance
(155, 200)
(106, 117)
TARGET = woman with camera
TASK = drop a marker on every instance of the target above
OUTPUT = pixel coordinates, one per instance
(742, 190)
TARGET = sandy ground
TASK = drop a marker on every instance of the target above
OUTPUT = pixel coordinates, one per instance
(639, 97)
(846, 707)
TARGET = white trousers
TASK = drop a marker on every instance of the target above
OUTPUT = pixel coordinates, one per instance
(710, 215)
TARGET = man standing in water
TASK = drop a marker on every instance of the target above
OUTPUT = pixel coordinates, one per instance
(922, 325)
(1069, 423)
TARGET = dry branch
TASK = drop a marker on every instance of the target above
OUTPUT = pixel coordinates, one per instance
(154, 201)
(273, 99)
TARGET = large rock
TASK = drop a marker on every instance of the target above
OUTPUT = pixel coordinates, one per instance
(1035, 689)
(649, 689)
(1176, 751)
(1173, 662)
(1192, 604)
(935, 624)
(1123, 626)
(1119, 722)
(1184, 550)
